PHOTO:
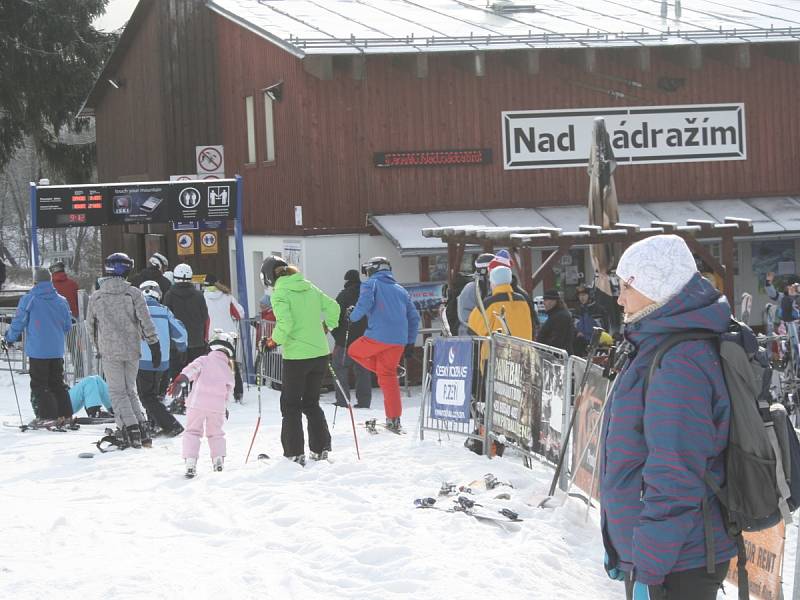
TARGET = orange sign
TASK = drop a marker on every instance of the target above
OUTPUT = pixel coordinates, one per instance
(764, 561)
(209, 242)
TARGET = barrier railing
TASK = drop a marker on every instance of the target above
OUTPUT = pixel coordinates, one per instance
(270, 364)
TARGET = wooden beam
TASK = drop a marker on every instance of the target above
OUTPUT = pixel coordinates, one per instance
(319, 66)
(548, 263)
(727, 259)
(358, 67)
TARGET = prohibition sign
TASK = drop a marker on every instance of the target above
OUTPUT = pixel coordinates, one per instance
(210, 159)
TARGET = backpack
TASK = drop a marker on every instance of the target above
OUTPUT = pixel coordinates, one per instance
(762, 461)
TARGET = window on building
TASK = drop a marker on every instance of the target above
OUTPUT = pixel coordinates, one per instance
(251, 129)
(270, 127)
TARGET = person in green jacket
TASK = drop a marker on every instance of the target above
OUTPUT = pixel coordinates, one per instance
(301, 309)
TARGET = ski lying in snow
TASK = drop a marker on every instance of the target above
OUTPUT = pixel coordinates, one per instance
(46, 425)
(469, 507)
(373, 424)
(93, 420)
(486, 483)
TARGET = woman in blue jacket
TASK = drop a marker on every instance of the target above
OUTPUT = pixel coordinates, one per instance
(659, 444)
(45, 318)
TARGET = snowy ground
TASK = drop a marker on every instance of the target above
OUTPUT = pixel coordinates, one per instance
(128, 525)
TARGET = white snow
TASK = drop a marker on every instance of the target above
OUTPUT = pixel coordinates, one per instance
(128, 525)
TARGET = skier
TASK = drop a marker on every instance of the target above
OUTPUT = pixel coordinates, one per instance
(91, 393)
(188, 304)
(45, 318)
(157, 264)
(467, 299)
(392, 328)
(298, 305)
(345, 334)
(503, 307)
(503, 259)
(171, 332)
(558, 331)
(206, 406)
(587, 316)
(117, 318)
(224, 314)
(661, 445)
(65, 286)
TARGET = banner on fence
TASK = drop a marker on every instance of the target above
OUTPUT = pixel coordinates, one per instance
(451, 385)
(527, 394)
(587, 426)
(764, 562)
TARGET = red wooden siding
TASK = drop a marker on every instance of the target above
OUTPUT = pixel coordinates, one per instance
(327, 131)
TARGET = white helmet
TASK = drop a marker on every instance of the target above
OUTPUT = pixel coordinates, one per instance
(182, 273)
(151, 288)
(224, 342)
(159, 261)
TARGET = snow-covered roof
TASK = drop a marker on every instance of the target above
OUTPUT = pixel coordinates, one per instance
(773, 215)
(305, 27)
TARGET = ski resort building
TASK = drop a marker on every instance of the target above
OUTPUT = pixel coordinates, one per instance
(355, 124)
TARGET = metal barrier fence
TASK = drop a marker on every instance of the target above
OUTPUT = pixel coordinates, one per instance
(269, 364)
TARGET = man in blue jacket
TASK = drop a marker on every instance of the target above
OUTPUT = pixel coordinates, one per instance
(392, 327)
(149, 378)
(45, 318)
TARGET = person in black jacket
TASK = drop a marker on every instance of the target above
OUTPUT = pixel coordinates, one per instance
(344, 335)
(154, 271)
(558, 331)
(587, 316)
(188, 304)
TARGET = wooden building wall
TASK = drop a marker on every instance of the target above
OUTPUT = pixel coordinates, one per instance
(327, 131)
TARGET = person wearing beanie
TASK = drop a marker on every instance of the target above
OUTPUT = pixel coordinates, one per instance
(501, 259)
(345, 334)
(44, 316)
(468, 298)
(559, 330)
(503, 307)
(663, 442)
(587, 315)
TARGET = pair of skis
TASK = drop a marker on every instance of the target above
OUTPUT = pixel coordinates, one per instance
(468, 506)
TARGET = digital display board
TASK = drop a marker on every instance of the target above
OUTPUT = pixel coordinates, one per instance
(121, 203)
(433, 158)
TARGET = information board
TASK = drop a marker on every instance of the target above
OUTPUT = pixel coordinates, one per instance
(149, 202)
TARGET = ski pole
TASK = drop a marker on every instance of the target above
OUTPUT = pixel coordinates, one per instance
(349, 407)
(258, 386)
(22, 425)
(344, 356)
(593, 344)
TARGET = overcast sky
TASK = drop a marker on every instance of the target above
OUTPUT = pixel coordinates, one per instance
(117, 14)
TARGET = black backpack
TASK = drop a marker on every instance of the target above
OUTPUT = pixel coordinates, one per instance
(762, 461)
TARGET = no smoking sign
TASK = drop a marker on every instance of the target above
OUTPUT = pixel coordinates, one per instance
(210, 159)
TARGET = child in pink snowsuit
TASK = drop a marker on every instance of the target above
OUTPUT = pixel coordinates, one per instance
(212, 377)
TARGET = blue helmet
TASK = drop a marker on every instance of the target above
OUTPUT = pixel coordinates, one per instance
(118, 264)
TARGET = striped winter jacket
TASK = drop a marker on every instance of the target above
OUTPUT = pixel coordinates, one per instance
(657, 449)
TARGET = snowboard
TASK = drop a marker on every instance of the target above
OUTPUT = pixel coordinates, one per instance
(469, 507)
(373, 424)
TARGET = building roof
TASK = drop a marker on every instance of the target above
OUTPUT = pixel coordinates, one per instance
(306, 27)
(771, 216)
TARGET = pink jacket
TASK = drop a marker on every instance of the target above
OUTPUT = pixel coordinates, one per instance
(212, 377)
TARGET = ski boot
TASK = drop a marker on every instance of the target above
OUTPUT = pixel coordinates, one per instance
(134, 436)
(371, 425)
(299, 459)
(147, 440)
(319, 456)
(219, 461)
(191, 468)
(393, 424)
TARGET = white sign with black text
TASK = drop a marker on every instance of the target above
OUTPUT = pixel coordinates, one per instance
(545, 139)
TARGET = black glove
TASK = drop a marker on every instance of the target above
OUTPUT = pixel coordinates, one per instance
(4, 345)
(226, 414)
(349, 311)
(155, 352)
(409, 351)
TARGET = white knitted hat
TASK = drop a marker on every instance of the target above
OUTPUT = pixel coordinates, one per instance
(658, 267)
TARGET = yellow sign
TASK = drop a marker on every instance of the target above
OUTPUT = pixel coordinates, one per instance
(185, 243)
(208, 242)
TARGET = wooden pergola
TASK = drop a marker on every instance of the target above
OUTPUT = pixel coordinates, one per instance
(522, 240)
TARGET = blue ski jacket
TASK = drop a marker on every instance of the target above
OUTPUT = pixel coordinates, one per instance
(391, 314)
(45, 318)
(656, 449)
(89, 392)
(169, 329)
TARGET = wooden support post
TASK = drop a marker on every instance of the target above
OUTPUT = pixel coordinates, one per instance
(526, 266)
(455, 254)
(425, 275)
(727, 278)
(548, 263)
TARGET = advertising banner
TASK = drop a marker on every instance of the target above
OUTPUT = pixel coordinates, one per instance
(425, 296)
(451, 383)
(764, 562)
(541, 139)
(121, 203)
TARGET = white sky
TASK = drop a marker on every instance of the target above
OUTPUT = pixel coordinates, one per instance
(117, 14)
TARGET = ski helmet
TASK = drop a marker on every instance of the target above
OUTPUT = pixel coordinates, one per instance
(269, 270)
(182, 273)
(151, 288)
(483, 261)
(159, 261)
(375, 264)
(224, 342)
(57, 266)
(118, 264)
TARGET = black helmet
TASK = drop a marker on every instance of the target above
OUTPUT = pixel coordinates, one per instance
(268, 267)
(482, 262)
(57, 266)
(375, 264)
(118, 264)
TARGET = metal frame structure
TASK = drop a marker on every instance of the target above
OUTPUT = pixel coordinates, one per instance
(522, 240)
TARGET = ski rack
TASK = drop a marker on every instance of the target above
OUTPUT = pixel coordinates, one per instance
(522, 240)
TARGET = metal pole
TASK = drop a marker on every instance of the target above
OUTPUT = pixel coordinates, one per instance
(241, 276)
(34, 229)
(488, 405)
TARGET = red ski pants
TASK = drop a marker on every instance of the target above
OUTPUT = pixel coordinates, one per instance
(382, 359)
